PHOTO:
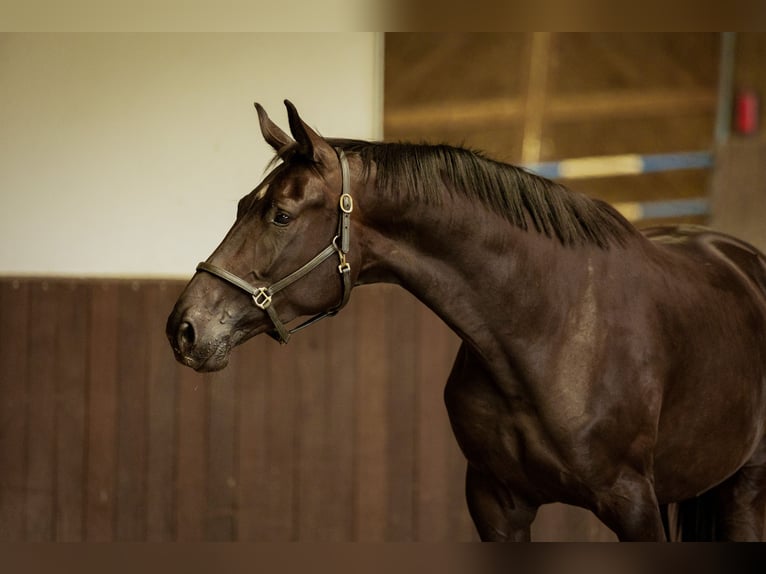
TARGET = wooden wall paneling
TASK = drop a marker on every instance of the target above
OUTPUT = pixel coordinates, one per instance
(446, 344)
(252, 364)
(402, 392)
(132, 364)
(279, 491)
(373, 375)
(14, 309)
(582, 137)
(449, 61)
(432, 493)
(222, 461)
(313, 458)
(324, 459)
(41, 388)
(162, 395)
(191, 448)
(101, 477)
(72, 307)
(339, 412)
(437, 346)
(597, 61)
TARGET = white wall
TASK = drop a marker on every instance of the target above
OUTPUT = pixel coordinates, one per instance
(125, 154)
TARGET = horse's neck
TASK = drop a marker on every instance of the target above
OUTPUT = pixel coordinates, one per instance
(475, 270)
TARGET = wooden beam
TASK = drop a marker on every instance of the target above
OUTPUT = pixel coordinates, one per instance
(585, 107)
(629, 103)
(537, 92)
(455, 113)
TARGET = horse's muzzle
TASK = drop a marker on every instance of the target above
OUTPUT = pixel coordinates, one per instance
(190, 349)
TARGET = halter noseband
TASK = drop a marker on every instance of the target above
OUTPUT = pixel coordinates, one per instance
(340, 244)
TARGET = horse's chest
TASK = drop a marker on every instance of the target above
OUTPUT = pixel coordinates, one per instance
(501, 436)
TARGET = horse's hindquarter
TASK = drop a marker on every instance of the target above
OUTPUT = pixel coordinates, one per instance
(711, 315)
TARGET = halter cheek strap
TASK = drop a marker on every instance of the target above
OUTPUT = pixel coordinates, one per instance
(262, 296)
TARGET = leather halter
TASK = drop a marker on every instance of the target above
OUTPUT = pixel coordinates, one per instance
(262, 296)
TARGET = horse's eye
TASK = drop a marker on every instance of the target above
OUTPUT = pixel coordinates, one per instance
(281, 218)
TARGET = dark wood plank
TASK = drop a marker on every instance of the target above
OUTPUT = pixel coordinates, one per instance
(280, 490)
(309, 379)
(101, 476)
(325, 374)
(252, 364)
(435, 344)
(402, 429)
(340, 416)
(313, 458)
(220, 519)
(41, 388)
(267, 468)
(14, 309)
(162, 396)
(191, 477)
(459, 526)
(372, 414)
(71, 386)
(132, 359)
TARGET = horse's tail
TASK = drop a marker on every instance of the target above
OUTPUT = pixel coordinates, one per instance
(691, 520)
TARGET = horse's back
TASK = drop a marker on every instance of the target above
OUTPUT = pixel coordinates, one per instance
(712, 246)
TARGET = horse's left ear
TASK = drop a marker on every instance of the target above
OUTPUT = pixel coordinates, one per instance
(274, 136)
(310, 143)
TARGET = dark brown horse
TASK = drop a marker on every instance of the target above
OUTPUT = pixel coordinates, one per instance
(600, 367)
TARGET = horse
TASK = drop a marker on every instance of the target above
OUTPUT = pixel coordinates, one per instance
(615, 369)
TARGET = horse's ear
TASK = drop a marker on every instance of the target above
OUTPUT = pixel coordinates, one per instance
(310, 143)
(273, 135)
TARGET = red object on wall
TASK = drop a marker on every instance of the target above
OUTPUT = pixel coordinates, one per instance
(746, 114)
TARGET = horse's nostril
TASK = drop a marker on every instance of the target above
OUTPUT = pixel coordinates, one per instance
(186, 336)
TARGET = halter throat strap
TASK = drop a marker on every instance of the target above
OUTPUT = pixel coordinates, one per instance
(340, 245)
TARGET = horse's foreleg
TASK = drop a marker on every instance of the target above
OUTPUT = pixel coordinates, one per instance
(498, 516)
(631, 510)
(740, 502)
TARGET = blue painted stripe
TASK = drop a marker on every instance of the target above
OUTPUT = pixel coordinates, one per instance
(637, 211)
(548, 169)
(674, 161)
(674, 208)
(622, 165)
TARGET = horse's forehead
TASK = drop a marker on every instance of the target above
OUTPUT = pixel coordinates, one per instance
(289, 182)
(273, 182)
(288, 179)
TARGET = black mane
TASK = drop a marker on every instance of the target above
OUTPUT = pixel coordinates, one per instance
(521, 197)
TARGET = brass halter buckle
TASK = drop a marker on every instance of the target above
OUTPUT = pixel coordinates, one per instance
(262, 298)
(346, 203)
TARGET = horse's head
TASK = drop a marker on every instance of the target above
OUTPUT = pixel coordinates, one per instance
(287, 255)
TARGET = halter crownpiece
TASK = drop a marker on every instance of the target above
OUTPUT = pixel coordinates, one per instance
(340, 244)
